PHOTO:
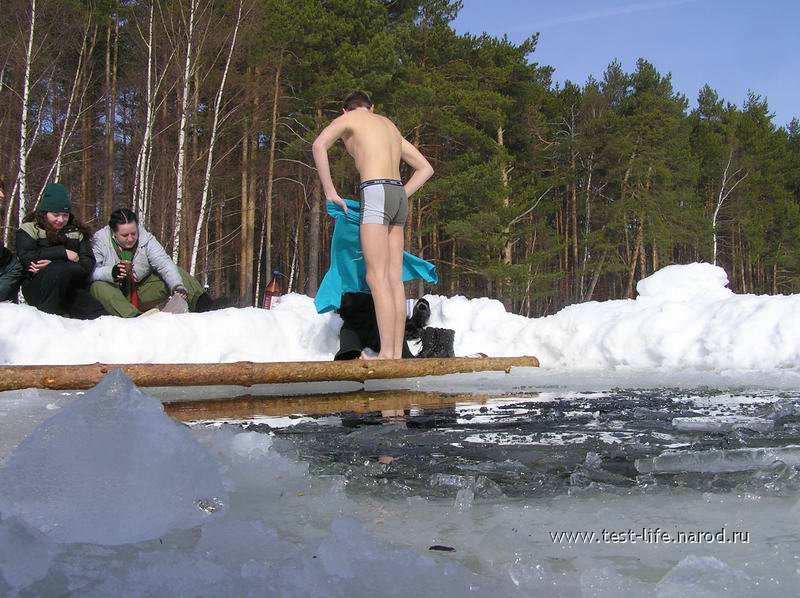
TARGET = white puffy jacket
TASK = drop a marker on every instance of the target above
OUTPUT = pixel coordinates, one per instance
(149, 257)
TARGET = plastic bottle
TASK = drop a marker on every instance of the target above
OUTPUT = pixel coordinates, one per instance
(273, 291)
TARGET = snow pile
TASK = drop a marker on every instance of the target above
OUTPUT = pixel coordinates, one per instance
(111, 468)
(293, 331)
(683, 317)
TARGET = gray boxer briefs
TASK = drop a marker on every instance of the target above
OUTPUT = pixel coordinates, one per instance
(383, 201)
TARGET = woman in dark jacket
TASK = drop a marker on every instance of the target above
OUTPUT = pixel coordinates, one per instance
(10, 269)
(55, 249)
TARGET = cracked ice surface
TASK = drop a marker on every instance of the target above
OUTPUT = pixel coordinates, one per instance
(308, 509)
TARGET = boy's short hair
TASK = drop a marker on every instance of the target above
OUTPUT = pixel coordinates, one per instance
(357, 99)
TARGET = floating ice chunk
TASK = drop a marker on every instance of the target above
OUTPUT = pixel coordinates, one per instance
(705, 577)
(781, 408)
(480, 486)
(450, 479)
(110, 468)
(25, 553)
(719, 461)
(464, 499)
(722, 423)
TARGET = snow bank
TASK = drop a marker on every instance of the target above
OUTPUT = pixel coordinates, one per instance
(683, 317)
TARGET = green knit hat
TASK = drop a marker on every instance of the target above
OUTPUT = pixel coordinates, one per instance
(55, 199)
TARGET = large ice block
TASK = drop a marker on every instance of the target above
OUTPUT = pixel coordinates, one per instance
(110, 468)
(719, 461)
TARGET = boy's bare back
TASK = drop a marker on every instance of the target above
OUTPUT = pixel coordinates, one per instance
(374, 142)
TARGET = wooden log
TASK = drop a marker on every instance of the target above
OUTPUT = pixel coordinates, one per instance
(249, 407)
(246, 373)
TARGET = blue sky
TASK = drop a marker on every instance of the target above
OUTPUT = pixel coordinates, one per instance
(733, 45)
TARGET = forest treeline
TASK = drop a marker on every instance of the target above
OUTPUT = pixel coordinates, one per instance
(200, 115)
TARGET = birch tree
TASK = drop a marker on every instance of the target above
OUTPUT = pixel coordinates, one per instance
(142, 169)
(71, 123)
(266, 224)
(22, 184)
(180, 185)
(727, 186)
(211, 143)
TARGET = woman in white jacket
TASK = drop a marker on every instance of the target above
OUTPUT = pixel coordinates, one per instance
(133, 272)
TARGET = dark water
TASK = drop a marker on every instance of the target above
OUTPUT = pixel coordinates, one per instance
(544, 444)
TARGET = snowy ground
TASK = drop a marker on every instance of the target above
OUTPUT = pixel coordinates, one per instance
(676, 412)
(683, 317)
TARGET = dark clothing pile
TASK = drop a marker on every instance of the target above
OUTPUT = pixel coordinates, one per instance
(11, 274)
(61, 287)
(360, 330)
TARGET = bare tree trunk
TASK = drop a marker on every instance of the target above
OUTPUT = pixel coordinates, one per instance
(741, 262)
(218, 253)
(504, 177)
(245, 255)
(266, 234)
(22, 173)
(574, 220)
(587, 226)
(140, 185)
(87, 174)
(508, 246)
(297, 231)
(252, 194)
(453, 271)
(111, 109)
(623, 192)
(313, 226)
(300, 249)
(775, 272)
(179, 192)
(724, 193)
(637, 251)
(68, 128)
(595, 277)
(211, 143)
(409, 233)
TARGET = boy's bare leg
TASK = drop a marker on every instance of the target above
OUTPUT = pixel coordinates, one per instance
(395, 274)
(375, 246)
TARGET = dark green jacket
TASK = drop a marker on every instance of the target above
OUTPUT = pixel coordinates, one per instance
(32, 246)
(11, 274)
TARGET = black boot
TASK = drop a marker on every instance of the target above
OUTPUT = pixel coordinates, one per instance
(204, 303)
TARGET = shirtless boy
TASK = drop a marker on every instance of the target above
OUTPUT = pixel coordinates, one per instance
(377, 147)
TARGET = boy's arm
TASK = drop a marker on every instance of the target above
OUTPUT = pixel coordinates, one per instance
(319, 149)
(422, 168)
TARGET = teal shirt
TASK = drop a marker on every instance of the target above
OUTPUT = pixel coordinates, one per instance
(347, 273)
